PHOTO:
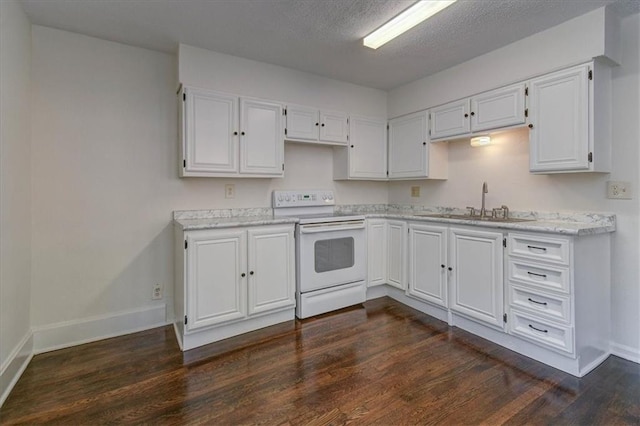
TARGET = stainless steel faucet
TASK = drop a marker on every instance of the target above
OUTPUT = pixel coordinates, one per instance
(485, 190)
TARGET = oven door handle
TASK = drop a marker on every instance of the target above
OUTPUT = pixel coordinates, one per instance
(330, 227)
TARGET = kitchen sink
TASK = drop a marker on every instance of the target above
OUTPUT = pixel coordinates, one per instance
(469, 217)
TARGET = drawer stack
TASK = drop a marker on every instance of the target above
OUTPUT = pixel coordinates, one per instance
(540, 292)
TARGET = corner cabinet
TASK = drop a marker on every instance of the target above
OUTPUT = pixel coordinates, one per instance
(230, 281)
(411, 156)
(365, 157)
(569, 120)
(223, 135)
(386, 253)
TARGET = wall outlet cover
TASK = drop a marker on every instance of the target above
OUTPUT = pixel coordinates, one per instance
(619, 190)
(157, 292)
(415, 191)
(229, 191)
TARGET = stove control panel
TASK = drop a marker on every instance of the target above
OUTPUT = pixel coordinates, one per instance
(302, 198)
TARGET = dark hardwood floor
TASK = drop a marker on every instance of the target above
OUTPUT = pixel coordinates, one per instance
(383, 363)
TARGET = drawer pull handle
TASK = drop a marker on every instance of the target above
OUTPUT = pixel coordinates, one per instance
(536, 248)
(537, 329)
(536, 302)
(537, 275)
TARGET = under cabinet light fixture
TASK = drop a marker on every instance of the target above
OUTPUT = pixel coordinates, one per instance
(422, 10)
(480, 141)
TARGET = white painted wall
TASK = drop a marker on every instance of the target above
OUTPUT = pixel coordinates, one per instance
(105, 172)
(504, 166)
(15, 192)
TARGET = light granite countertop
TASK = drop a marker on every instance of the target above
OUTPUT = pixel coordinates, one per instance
(567, 223)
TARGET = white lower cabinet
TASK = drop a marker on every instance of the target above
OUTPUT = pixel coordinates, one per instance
(386, 247)
(427, 263)
(559, 295)
(234, 280)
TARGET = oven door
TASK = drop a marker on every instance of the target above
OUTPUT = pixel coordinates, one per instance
(331, 254)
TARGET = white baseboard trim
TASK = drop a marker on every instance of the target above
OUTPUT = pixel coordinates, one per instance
(14, 366)
(626, 352)
(77, 332)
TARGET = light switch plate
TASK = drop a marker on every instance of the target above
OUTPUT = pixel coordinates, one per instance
(619, 190)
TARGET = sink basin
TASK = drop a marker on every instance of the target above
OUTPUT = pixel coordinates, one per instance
(468, 217)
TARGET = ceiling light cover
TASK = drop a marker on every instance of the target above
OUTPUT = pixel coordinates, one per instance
(408, 19)
(480, 141)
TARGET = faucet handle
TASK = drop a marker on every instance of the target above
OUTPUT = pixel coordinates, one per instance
(505, 209)
(472, 211)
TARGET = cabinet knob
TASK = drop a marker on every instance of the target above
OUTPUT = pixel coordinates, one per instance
(322, 124)
(442, 266)
(317, 124)
(466, 115)
(250, 272)
(473, 113)
(531, 126)
(424, 143)
(351, 146)
(242, 133)
(235, 133)
(243, 275)
(450, 268)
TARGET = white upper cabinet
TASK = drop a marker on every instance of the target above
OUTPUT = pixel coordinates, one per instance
(223, 135)
(451, 119)
(410, 154)
(498, 108)
(495, 109)
(366, 155)
(334, 127)
(209, 129)
(306, 124)
(261, 143)
(569, 120)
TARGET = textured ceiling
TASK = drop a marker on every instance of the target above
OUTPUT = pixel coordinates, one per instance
(318, 36)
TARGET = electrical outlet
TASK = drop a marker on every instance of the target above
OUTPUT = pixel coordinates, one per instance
(619, 190)
(157, 292)
(415, 191)
(229, 191)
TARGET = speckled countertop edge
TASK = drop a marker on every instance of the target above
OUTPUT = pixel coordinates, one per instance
(568, 223)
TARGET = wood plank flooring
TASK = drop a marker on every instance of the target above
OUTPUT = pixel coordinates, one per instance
(377, 364)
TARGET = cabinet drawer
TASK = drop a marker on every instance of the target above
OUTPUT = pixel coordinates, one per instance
(540, 275)
(540, 331)
(554, 250)
(549, 306)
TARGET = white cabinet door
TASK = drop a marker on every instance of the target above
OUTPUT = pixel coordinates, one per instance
(216, 277)
(408, 141)
(498, 108)
(451, 119)
(334, 127)
(428, 263)
(209, 132)
(271, 269)
(303, 123)
(376, 252)
(396, 253)
(261, 138)
(476, 260)
(368, 148)
(559, 121)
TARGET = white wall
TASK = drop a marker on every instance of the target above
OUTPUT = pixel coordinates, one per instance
(15, 192)
(504, 166)
(105, 177)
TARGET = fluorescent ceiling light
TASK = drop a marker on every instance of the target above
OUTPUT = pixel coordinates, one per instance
(408, 19)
